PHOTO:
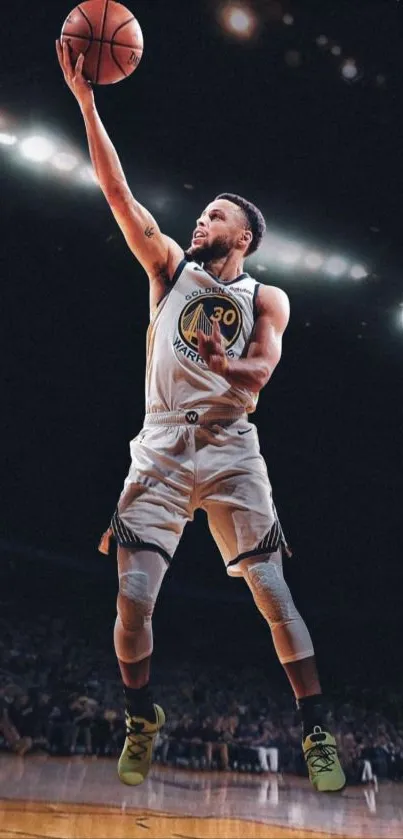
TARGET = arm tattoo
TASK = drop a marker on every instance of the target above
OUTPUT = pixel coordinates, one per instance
(149, 232)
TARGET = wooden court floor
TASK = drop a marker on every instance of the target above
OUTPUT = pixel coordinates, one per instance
(82, 798)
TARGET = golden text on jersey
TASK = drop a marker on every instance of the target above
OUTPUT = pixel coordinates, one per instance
(177, 378)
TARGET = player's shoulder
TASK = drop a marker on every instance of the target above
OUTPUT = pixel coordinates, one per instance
(272, 296)
(273, 301)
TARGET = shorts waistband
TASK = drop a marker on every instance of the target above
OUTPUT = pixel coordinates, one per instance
(193, 417)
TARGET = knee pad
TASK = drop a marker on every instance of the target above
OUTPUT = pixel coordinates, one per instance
(270, 590)
(274, 601)
(135, 602)
(140, 577)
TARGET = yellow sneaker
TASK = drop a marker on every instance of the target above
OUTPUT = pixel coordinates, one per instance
(320, 752)
(135, 760)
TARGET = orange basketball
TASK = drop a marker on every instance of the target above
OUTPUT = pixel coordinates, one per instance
(109, 36)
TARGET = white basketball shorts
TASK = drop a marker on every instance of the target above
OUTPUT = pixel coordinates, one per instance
(179, 465)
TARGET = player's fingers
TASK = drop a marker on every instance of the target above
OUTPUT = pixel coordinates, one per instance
(216, 336)
(60, 55)
(202, 344)
(59, 52)
(79, 64)
(217, 332)
(67, 58)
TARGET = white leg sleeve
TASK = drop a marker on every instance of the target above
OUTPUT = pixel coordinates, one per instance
(264, 576)
(140, 577)
(262, 755)
(273, 758)
(367, 771)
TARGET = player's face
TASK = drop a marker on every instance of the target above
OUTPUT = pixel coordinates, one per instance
(217, 231)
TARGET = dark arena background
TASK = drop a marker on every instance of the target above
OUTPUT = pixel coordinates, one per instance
(297, 106)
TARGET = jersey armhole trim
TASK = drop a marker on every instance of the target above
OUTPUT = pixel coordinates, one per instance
(177, 273)
(175, 278)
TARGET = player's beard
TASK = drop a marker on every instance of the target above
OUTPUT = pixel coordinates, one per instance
(218, 249)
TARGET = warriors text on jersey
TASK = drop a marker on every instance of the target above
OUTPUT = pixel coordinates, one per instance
(177, 378)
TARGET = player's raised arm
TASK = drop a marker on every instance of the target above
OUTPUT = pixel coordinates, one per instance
(158, 254)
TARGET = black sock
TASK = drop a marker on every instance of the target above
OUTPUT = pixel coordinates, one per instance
(139, 702)
(311, 712)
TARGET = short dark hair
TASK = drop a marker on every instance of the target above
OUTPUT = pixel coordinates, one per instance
(254, 217)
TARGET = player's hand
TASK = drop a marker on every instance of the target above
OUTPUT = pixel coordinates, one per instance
(211, 348)
(73, 76)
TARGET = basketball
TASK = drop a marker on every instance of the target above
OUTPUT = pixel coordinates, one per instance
(108, 35)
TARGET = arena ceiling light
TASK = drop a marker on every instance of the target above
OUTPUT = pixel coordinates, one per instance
(7, 139)
(87, 175)
(289, 254)
(36, 148)
(64, 161)
(238, 19)
(358, 272)
(349, 70)
(313, 260)
(336, 266)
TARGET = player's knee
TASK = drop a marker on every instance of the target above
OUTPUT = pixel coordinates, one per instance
(135, 603)
(270, 592)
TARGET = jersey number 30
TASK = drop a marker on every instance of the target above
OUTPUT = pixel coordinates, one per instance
(227, 316)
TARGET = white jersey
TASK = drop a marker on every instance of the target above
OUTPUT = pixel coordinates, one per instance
(177, 378)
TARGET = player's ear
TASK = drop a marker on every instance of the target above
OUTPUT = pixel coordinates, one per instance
(245, 238)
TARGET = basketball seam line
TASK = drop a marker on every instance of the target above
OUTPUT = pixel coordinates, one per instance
(102, 32)
(116, 61)
(121, 25)
(103, 41)
(113, 42)
(88, 21)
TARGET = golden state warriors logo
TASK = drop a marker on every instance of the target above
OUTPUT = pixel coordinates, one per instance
(200, 314)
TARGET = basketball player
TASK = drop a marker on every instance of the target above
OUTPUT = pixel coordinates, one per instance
(213, 343)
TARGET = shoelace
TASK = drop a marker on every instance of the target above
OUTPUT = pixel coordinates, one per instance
(321, 758)
(138, 741)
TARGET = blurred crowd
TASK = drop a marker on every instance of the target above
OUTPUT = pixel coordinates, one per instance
(61, 694)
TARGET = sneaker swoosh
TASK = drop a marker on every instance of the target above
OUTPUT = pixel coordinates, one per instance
(245, 432)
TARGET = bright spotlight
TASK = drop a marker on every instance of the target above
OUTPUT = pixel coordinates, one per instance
(349, 70)
(37, 149)
(7, 139)
(289, 254)
(358, 272)
(64, 162)
(288, 20)
(336, 266)
(313, 261)
(87, 175)
(239, 20)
